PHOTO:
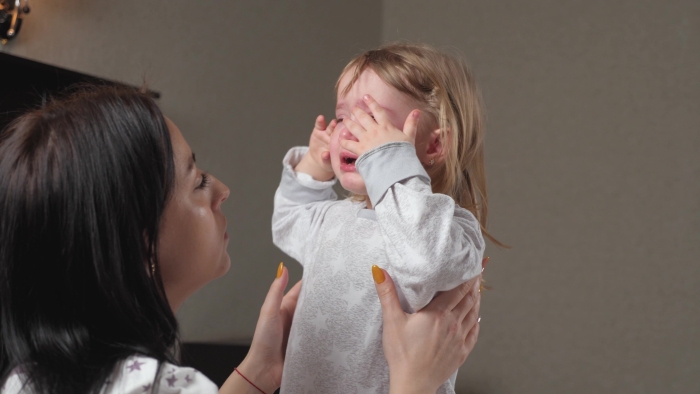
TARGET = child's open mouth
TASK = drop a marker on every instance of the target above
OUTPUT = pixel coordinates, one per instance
(347, 161)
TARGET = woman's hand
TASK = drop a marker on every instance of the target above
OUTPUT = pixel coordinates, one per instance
(424, 349)
(373, 131)
(264, 362)
(317, 161)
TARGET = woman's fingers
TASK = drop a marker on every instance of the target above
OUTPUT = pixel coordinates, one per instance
(468, 303)
(273, 300)
(388, 298)
(473, 335)
(378, 111)
(289, 301)
(448, 300)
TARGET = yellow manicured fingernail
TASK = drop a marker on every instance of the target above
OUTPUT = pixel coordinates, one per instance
(378, 274)
(279, 269)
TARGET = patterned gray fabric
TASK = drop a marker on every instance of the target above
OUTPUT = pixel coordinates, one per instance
(425, 241)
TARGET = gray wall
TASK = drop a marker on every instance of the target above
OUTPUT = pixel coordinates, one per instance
(244, 81)
(593, 142)
(593, 159)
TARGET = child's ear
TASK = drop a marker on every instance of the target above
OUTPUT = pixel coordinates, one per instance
(435, 152)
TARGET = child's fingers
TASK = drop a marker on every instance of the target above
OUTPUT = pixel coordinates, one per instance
(378, 112)
(320, 123)
(410, 127)
(356, 129)
(331, 127)
(351, 146)
(363, 118)
(322, 136)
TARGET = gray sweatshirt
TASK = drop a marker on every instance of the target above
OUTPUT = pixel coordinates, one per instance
(425, 241)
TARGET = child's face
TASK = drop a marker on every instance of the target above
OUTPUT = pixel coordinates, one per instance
(396, 104)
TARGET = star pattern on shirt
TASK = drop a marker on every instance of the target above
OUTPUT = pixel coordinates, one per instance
(295, 342)
(367, 390)
(337, 265)
(371, 335)
(135, 366)
(307, 383)
(188, 379)
(339, 358)
(320, 321)
(353, 296)
(146, 388)
(171, 381)
(375, 241)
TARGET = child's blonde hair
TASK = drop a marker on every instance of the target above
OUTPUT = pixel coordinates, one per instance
(451, 101)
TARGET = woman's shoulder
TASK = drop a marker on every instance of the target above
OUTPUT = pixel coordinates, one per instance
(137, 375)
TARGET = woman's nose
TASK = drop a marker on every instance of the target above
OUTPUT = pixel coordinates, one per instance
(345, 134)
(222, 193)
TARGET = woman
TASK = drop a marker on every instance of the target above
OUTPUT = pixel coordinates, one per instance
(108, 226)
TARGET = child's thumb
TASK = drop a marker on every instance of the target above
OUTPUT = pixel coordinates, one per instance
(410, 127)
(389, 299)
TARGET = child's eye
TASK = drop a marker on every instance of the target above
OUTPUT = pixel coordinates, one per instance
(205, 181)
(340, 120)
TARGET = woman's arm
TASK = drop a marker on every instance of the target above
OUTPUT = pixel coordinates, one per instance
(264, 362)
(422, 349)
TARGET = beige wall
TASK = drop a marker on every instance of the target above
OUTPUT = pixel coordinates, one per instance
(244, 81)
(593, 159)
(594, 167)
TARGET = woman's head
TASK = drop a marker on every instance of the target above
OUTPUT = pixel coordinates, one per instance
(450, 140)
(90, 197)
(193, 238)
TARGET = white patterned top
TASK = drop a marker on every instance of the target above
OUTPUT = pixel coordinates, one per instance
(136, 375)
(425, 241)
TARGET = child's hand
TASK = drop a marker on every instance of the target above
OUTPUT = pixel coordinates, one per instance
(317, 161)
(371, 133)
(319, 143)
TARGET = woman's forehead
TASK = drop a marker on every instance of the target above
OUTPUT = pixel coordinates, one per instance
(183, 155)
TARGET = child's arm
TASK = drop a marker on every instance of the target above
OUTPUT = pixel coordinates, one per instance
(433, 244)
(302, 197)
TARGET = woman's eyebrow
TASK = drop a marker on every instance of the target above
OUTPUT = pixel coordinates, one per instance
(190, 165)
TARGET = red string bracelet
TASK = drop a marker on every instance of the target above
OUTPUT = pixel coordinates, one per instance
(246, 379)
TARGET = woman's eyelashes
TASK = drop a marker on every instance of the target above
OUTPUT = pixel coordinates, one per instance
(206, 179)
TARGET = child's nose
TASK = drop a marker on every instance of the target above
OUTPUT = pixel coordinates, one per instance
(345, 134)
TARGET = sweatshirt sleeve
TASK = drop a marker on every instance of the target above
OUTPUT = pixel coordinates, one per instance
(300, 206)
(432, 243)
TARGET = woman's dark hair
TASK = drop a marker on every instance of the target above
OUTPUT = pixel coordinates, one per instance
(83, 185)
